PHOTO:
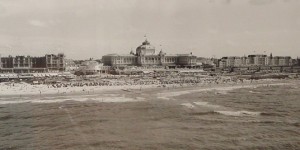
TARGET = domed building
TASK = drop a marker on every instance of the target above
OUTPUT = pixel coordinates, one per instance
(145, 49)
(145, 56)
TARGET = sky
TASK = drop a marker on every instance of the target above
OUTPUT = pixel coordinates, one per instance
(85, 29)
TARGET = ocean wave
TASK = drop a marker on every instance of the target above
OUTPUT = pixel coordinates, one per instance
(206, 104)
(222, 92)
(254, 92)
(296, 124)
(270, 114)
(172, 94)
(227, 113)
(164, 98)
(77, 99)
(238, 113)
(116, 99)
(7, 117)
(189, 105)
(205, 113)
(13, 102)
(218, 90)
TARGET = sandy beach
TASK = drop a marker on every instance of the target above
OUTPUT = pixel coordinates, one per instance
(22, 88)
(166, 92)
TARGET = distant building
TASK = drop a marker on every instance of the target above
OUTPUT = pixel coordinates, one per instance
(55, 62)
(205, 61)
(296, 62)
(145, 56)
(26, 64)
(39, 62)
(90, 67)
(255, 60)
(232, 61)
(70, 65)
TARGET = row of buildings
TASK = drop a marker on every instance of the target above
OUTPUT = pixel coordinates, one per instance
(254, 60)
(27, 64)
(145, 55)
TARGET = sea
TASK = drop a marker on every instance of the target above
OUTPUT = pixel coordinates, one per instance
(265, 117)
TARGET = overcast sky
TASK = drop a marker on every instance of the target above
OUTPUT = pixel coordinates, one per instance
(91, 28)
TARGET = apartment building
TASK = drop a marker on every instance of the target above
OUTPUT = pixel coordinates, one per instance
(26, 64)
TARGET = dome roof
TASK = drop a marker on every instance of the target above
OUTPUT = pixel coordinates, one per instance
(145, 45)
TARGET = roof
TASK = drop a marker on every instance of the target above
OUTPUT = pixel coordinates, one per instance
(145, 45)
(120, 55)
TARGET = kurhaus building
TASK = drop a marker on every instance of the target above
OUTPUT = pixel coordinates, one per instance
(145, 56)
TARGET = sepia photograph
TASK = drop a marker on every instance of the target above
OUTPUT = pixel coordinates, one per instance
(149, 74)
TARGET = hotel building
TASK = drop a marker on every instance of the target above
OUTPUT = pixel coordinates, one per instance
(27, 64)
(145, 56)
(255, 60)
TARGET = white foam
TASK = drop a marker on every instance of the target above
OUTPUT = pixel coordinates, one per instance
(173, 94)
(253, 92)
(78, 99)
(140, 98)
(111, 94)
(205, 104)
(115, 99)
(50, 101)
(13, 102)
(164, 98)
(221, 92)
(238, 113)
(189, 105)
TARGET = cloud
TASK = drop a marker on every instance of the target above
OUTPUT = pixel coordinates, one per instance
(37, 23)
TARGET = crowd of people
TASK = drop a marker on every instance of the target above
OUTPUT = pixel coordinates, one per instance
(88, 84)
(187, 80)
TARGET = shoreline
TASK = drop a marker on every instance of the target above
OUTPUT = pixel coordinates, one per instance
(43, 90)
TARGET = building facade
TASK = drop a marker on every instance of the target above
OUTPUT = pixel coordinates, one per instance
(55, 62)
(26, 64)
(91, 67)
(255, 60)
(145, 56)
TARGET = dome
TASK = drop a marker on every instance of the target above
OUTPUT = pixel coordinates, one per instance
(146, 45)
(145, 49)
(161, 53)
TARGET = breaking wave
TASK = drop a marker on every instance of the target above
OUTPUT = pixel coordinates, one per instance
(77, 99)
(238, 113)
(205, 113)
(206, 104)
(189, 105)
